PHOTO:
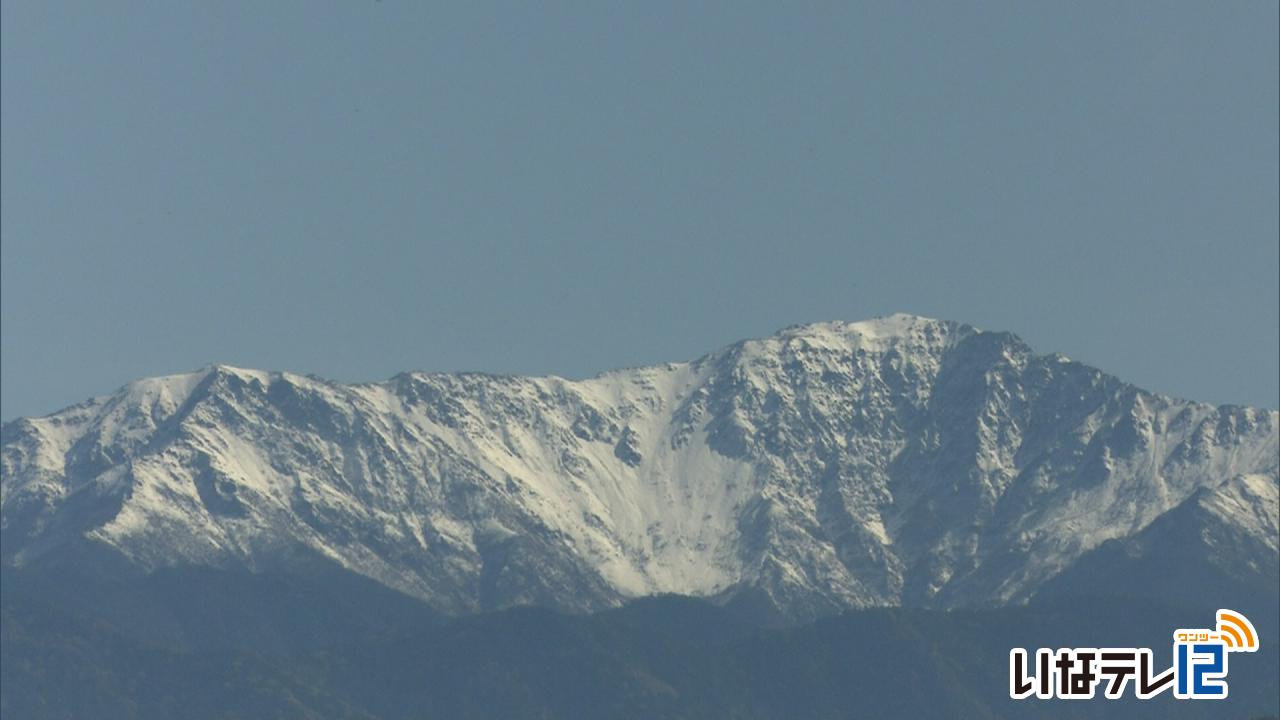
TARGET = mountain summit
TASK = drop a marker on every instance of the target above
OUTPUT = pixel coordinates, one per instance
(896, 461)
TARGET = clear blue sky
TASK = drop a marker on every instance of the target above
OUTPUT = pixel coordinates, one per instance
(359, 188)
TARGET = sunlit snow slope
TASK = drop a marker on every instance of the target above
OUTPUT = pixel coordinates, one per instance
(900, 460)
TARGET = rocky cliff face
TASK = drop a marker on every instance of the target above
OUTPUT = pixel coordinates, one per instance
(898, 461)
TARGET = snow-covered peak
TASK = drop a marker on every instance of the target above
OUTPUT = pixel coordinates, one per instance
(899, 460)
(877, 333)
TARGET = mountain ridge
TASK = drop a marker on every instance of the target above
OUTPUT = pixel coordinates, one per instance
(897, 461)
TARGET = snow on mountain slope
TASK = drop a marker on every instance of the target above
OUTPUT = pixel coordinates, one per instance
(900, 460)
(1216, 549)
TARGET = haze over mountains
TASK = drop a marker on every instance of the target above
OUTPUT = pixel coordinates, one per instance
(901, 461)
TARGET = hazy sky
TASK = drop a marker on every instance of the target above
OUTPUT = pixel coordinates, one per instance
(359, 188)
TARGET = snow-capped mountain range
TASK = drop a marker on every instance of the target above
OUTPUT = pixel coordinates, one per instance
(896, 461)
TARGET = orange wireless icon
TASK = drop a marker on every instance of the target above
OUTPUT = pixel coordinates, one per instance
(1236, 632)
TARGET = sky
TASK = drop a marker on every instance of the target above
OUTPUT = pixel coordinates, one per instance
(355, 189)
